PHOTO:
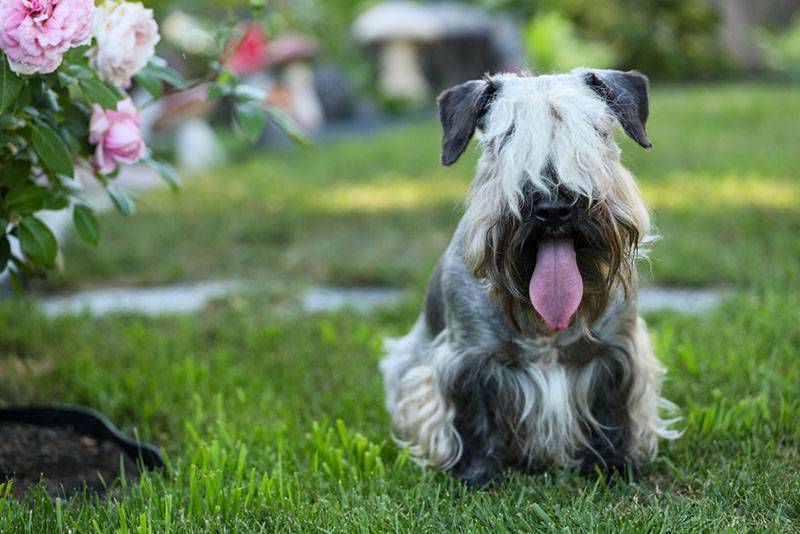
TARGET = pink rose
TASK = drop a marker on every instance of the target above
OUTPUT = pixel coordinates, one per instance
(117, 136)
(126, 35)
(250, 53)
(35, 34)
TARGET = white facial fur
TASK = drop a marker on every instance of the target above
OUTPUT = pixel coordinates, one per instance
(535, 121)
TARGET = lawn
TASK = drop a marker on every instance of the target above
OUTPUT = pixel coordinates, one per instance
(272, 419)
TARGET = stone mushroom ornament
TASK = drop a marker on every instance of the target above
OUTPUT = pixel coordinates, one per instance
(397, 29)
(402, 31)
(292, 56)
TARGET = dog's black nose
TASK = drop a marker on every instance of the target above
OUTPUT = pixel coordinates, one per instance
(553, 212)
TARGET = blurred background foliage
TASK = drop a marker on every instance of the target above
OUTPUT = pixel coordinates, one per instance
(552, 43)
(668, 39)
(665, 38)
(357, 78)
(782, 49)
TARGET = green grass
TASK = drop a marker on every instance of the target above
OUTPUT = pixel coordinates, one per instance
(273, 420)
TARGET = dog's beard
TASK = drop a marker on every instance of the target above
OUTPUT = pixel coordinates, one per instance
(605, 252)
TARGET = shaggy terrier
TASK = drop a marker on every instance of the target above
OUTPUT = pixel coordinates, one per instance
(529, 350)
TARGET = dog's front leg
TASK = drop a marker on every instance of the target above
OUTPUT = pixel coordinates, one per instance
(602, 378)
(624, 405)
(473, 389)
(609, 434)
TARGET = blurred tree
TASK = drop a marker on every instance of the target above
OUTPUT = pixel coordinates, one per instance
(671, 38)
(783, 49)
(553, 46)
(666, 38)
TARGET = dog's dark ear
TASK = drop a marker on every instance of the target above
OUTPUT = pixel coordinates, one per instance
(460, 109)
(626, 95)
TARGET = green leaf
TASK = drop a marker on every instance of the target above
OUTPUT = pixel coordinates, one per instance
(26, 199)
(289, 127)
(55, 199)
(10, 84)
(222, 86)
(82, 72)
(157, 67)
(5, 252)
(251, 119)
(16, 283)
(37, 241)
(76, 121)
(50, 99)
(51, 150)
(76, 55)
(121, 199)
(217, 91)
(13, 143)
(32, 112)
(23, 98)
(15, 173)
(151, 84)
(248, 93)
(65, 80)
(86, 224)
(73, 145)
(167, 173)
(226, 77)
(11, 122)
(44, 98)
(99, 92)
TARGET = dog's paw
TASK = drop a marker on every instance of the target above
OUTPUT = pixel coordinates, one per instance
(479, 473)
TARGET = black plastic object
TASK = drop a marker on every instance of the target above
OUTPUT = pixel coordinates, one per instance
(86, 421)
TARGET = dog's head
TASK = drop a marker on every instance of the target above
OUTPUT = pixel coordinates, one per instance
(554, 221)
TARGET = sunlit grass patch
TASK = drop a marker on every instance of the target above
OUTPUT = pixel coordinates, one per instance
(698, 191)
(392, 192)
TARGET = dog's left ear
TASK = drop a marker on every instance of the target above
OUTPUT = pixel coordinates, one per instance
(626, 94)
(460, 109)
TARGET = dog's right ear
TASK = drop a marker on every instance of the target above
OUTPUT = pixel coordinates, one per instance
(460, 109)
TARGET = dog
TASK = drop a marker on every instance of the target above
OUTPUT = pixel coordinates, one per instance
(529, 350)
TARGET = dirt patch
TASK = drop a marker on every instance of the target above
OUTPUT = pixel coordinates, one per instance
(65, 461)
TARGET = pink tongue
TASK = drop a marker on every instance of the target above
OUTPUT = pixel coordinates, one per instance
(556, 285)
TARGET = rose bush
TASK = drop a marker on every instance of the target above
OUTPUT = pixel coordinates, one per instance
(64, 69)
(35, 34)
(126, 36)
